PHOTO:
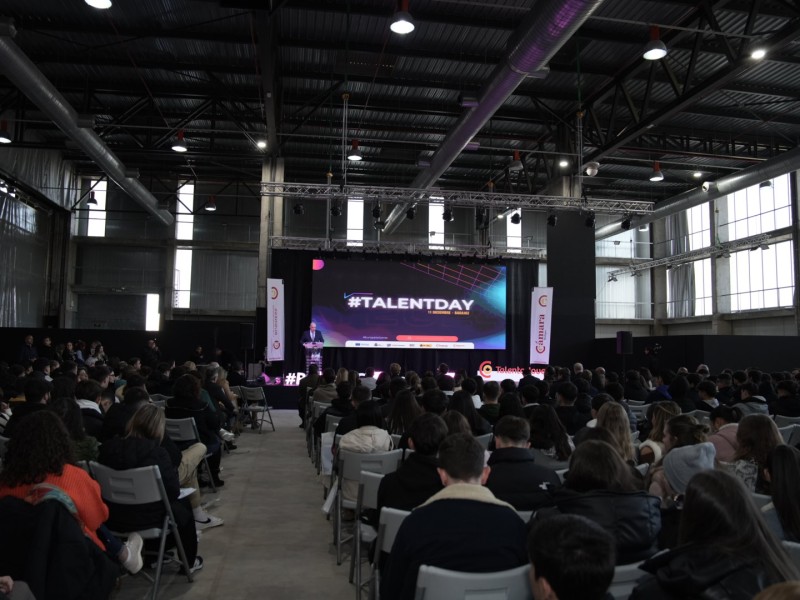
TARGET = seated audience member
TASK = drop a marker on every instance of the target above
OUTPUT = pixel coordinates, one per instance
(600, 486)
(788, 590)
(5, 413)
(617, 392)
(724, 423)
(634, 387)
(349, 422)
(369, 437)
(325, 391)
(725, 389)
(39, 460)
(725, 549)
(707, 396)
(187, 403)
(405, 409)
(787, 402)
(89, 395)
(757, 436)
(443, 380)
(396, 385)
(461, 401)
(685, 439)
(783, 473)
(548, 435)
(461, 528)
(569, 415)
(434, 401)
(116, 419)
(612, 417)
(514, 476)
(652, 449)
(142, 447)
(679, 390)
(751, 403)
(511, 405)
(526, 379)
(37, 395)
(368, 381)
(84, 447)
(660, 392)
(309, 382)
(572, 558)
(490, 409)
(417, 479)
(341, 406)
(218, 396)
(414, 383)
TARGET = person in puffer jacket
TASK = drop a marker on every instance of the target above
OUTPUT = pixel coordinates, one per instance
(370, 437)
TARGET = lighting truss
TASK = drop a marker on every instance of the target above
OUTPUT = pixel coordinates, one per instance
(687, 257)
(462, 198)
(343, 246)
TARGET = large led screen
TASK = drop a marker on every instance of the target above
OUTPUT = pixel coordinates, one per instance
(392, 304)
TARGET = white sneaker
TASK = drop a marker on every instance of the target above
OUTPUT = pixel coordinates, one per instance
(209, 522)
(226, 435)
(133, 562)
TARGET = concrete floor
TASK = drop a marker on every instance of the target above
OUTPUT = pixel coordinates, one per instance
(276, 542)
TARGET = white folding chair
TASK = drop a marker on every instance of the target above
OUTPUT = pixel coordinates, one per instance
(782, 421)
(702, 416)
(159, 398)
(484, 440)
(643, 468)
(625, 578)
(142, 486)
(543, 460)
(350, 466)
(562, 474)
(364, 534)
(185, 430)
(787, 432)
(3, 444)
(793, 549)
(254, 401)
(525, 515)
(441, 584)
(761, 500)
(158, 403)
(388, 525)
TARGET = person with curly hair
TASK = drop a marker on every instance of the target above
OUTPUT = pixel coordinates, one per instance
(38, 459)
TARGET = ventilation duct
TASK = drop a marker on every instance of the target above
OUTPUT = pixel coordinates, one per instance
(21, 71)
(545, 30)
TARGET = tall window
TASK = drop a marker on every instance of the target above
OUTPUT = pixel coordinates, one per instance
(435, 223)
(355, 221)
(762, 278)
(184, 230)
(152, 317)
(757, 209)
(97, 213)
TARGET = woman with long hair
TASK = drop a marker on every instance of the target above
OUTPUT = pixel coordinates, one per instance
(686, 451)
(613, 417)
(599, 486)
(342, 376)
(757, 436)
(725, 548)
(414, 382)
(461, 402)
(84, 446)
(652, 449)
(548, 434)
(405, 409)
(783, 474)
(142, 447)
(39, 460)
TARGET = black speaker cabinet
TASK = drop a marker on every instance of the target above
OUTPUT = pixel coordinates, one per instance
(624, 342)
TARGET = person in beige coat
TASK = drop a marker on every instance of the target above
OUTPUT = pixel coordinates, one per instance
(370, 437)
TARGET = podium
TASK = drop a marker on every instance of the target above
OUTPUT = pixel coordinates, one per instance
(313, 354)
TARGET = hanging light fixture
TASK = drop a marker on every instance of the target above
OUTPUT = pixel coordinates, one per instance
(402, 22)
(211, 205)
(376, 211)
(516, 218)
(590, 219)
(179, 145)
(592, 167)
(758, 53)
(655, 48)
(299, 209)
(626, 224)
(552, 219)
(411, 213)
(355, 152)
(5, 137)
(656, 175)
(516, 163)
(101, 4)
(261, 144)
(92, 201)
(447, 214)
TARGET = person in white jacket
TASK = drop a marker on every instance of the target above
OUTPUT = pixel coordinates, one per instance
(370, 437)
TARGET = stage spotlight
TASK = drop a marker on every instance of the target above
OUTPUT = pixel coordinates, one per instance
(376, 211)
(516, 218)
(411, 213)
(552, 220)
(589, 222)
(626, 224)
(299, 209)
(336, 210)
(447, 214)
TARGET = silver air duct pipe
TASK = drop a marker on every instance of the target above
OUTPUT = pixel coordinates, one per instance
(21, 71)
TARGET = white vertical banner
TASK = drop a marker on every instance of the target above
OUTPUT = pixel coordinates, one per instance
(275, 319)
(541, 315)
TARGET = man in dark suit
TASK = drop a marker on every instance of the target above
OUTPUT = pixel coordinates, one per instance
(313, 355)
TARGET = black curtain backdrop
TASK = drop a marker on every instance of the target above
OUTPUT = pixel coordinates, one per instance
(294, 267)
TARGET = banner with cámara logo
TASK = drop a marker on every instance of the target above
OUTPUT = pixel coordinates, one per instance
(275, 319)
(541, 315)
